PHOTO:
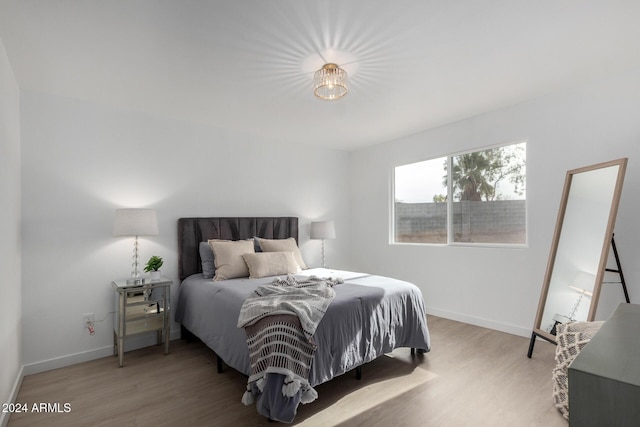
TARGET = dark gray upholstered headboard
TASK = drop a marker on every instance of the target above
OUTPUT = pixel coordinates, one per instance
(192, 231)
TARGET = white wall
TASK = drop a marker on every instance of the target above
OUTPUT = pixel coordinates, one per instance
(10, 245)
(493, 287)
(81, 161)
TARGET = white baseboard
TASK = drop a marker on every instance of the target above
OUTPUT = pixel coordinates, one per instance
(4, 416)
(131, 343)
(478, 321)
(69, 359)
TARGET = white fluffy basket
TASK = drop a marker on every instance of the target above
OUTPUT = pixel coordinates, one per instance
(571, 337)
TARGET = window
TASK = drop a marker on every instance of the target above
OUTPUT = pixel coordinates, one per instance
(420, 206)
(473, 197)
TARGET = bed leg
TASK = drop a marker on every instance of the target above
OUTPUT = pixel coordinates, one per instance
(359, 372)
(413, 351)
(219, 363)
(186, 335)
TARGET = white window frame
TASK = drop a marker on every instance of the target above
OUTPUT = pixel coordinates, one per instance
(450, 241)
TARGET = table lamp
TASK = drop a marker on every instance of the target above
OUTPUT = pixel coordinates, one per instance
(323, 230)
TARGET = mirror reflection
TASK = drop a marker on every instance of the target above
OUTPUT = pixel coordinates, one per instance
(580, 247)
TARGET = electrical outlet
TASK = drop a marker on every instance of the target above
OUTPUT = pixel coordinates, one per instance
(88, 319)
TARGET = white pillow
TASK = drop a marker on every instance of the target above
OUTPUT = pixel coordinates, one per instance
(263, 264)
(227, 256)
(283, 245)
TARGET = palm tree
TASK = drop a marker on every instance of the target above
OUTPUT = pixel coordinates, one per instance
(469, 177)
(476, 175)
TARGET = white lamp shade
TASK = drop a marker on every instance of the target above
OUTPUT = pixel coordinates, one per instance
(584, 283)
(323, 230)
(135, 222)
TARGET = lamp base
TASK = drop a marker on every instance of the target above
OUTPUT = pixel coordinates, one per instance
(135, 281)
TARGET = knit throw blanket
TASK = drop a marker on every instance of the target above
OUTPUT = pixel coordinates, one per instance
(280, 320)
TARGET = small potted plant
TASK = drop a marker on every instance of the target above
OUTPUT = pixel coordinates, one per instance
(153, 267)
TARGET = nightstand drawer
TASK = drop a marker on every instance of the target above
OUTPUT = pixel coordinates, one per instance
(137, 311)
(145, 324)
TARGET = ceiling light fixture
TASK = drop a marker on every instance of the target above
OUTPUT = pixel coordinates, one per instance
(330, 82)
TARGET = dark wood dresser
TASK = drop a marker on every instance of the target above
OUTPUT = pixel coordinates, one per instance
(604, 379)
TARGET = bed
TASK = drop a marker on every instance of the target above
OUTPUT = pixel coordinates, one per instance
(368, 317)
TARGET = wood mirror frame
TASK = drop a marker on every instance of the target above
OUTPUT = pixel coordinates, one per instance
(580, 247)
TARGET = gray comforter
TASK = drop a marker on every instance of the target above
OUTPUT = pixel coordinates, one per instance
(369, 316)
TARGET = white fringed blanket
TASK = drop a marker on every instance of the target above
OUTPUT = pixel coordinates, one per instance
(280, 320)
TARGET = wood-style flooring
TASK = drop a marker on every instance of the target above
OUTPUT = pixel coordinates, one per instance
(472, 377)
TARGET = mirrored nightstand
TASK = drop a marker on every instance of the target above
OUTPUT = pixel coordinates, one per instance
(141, 308)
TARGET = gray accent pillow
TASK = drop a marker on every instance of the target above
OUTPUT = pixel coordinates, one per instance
(208, 263)
(256, 244)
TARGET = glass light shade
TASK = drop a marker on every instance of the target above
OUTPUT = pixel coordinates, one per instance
(330, 82)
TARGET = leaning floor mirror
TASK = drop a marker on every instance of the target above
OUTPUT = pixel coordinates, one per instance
(580, 247)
